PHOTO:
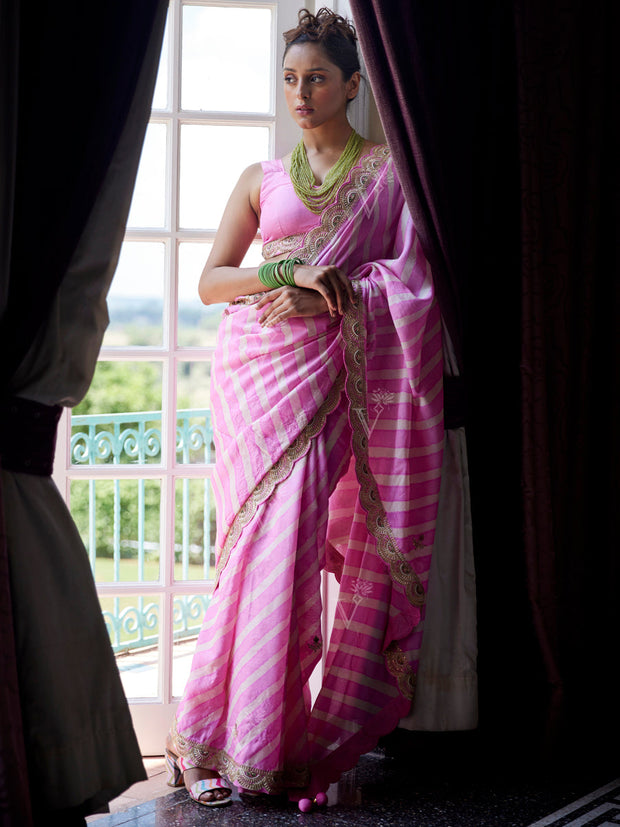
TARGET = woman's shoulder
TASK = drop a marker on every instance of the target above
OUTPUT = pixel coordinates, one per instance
(378, 149)
(249, 184)
(373, 146)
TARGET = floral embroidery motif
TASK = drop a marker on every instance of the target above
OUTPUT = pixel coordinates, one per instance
(398, 666)
(362, 590)
(381, 399)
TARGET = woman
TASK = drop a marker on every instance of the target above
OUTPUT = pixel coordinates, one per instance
(327, 404)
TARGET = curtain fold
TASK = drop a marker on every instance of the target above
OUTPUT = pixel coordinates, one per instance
(444, 78)
(431, 70)
(72, 84)
(423, 101)
(76, 92)
(569, 87)
(502, 121)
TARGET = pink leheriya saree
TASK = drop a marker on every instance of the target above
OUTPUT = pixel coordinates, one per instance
(329, 437)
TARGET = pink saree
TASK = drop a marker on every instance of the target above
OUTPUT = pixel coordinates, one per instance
(329, 437)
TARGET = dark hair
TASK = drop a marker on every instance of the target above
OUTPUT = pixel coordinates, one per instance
(333, 33)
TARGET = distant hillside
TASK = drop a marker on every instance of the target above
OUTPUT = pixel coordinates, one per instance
(138, 321)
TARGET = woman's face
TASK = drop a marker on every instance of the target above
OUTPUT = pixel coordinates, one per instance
(316, 92)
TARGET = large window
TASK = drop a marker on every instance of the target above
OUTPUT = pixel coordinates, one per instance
(137, 456)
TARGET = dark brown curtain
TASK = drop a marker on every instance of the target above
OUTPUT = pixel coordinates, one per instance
(568, 93)
(500, 117)
(68, 78)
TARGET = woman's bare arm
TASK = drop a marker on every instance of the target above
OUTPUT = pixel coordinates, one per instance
(222, 278)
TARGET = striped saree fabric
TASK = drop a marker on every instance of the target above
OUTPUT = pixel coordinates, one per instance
(329, 437)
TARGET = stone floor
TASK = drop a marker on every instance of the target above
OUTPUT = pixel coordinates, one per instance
(385, 791)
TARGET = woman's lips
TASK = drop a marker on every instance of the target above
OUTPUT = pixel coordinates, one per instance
(304, 110)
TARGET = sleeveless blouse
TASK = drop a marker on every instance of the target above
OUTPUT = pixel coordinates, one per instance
(282, 213)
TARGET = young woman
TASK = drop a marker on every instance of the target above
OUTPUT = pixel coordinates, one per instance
(327, 402)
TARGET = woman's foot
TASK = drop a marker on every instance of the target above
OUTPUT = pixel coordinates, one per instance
(204, 786)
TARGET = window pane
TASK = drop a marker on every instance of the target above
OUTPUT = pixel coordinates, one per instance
(194, 530)
(119, 420)
(226, 59)
(136, 298)
(133, 626)
(119, 521)
(212, 158)
(187, 615)
(194, 433)
(160, 96)
(148, 207)
(198, 323)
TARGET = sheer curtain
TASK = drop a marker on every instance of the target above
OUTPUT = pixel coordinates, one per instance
(76, 89)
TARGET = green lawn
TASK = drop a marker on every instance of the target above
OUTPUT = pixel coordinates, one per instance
(104, 571)
(119, 606)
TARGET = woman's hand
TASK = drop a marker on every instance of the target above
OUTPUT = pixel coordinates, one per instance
(286, 302)
(329, 281)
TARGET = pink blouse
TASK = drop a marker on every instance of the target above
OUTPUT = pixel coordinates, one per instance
(282, 214)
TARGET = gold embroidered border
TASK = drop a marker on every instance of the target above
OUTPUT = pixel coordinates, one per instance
(309, 245)
(401, 570)
(244, 775)
(347, 198)
(398, 666)
(279, 246)
(279, 471)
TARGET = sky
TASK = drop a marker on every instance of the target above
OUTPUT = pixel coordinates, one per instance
(214, 77)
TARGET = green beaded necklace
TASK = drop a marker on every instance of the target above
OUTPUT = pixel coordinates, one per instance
(316, 198)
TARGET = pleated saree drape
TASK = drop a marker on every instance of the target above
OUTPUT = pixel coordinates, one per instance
(329, 437)
(66, 740)
(421, 100)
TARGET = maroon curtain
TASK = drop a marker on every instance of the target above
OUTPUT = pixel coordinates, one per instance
(443, 75)
(501, 121)
(68, 77)
(568, 92)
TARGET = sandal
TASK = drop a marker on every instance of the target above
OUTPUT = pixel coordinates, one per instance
(176, 766)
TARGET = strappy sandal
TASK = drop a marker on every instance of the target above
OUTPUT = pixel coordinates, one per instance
(176, 766)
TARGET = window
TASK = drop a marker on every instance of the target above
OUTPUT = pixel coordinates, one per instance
(135, 457)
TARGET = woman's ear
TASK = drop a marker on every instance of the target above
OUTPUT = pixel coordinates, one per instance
(353, 85)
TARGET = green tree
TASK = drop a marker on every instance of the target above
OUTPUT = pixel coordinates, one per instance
(125, 387)
(118, 387)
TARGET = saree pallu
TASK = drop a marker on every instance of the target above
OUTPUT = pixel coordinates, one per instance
(329, 438)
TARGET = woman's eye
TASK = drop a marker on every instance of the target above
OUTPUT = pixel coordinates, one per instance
(316, 78)
(289, 79)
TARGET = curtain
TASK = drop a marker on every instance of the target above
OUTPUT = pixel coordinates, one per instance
(432, 74)
(501, 120)
(568, 92)
(75, 91)
(443, 75)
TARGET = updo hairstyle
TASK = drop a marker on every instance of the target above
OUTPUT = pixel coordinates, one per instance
(333, 33)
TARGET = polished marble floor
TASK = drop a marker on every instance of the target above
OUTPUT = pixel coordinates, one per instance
(385, 790)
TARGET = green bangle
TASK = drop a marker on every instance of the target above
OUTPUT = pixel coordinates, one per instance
(278, 273)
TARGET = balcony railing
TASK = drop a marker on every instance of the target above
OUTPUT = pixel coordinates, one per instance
(136, 439)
